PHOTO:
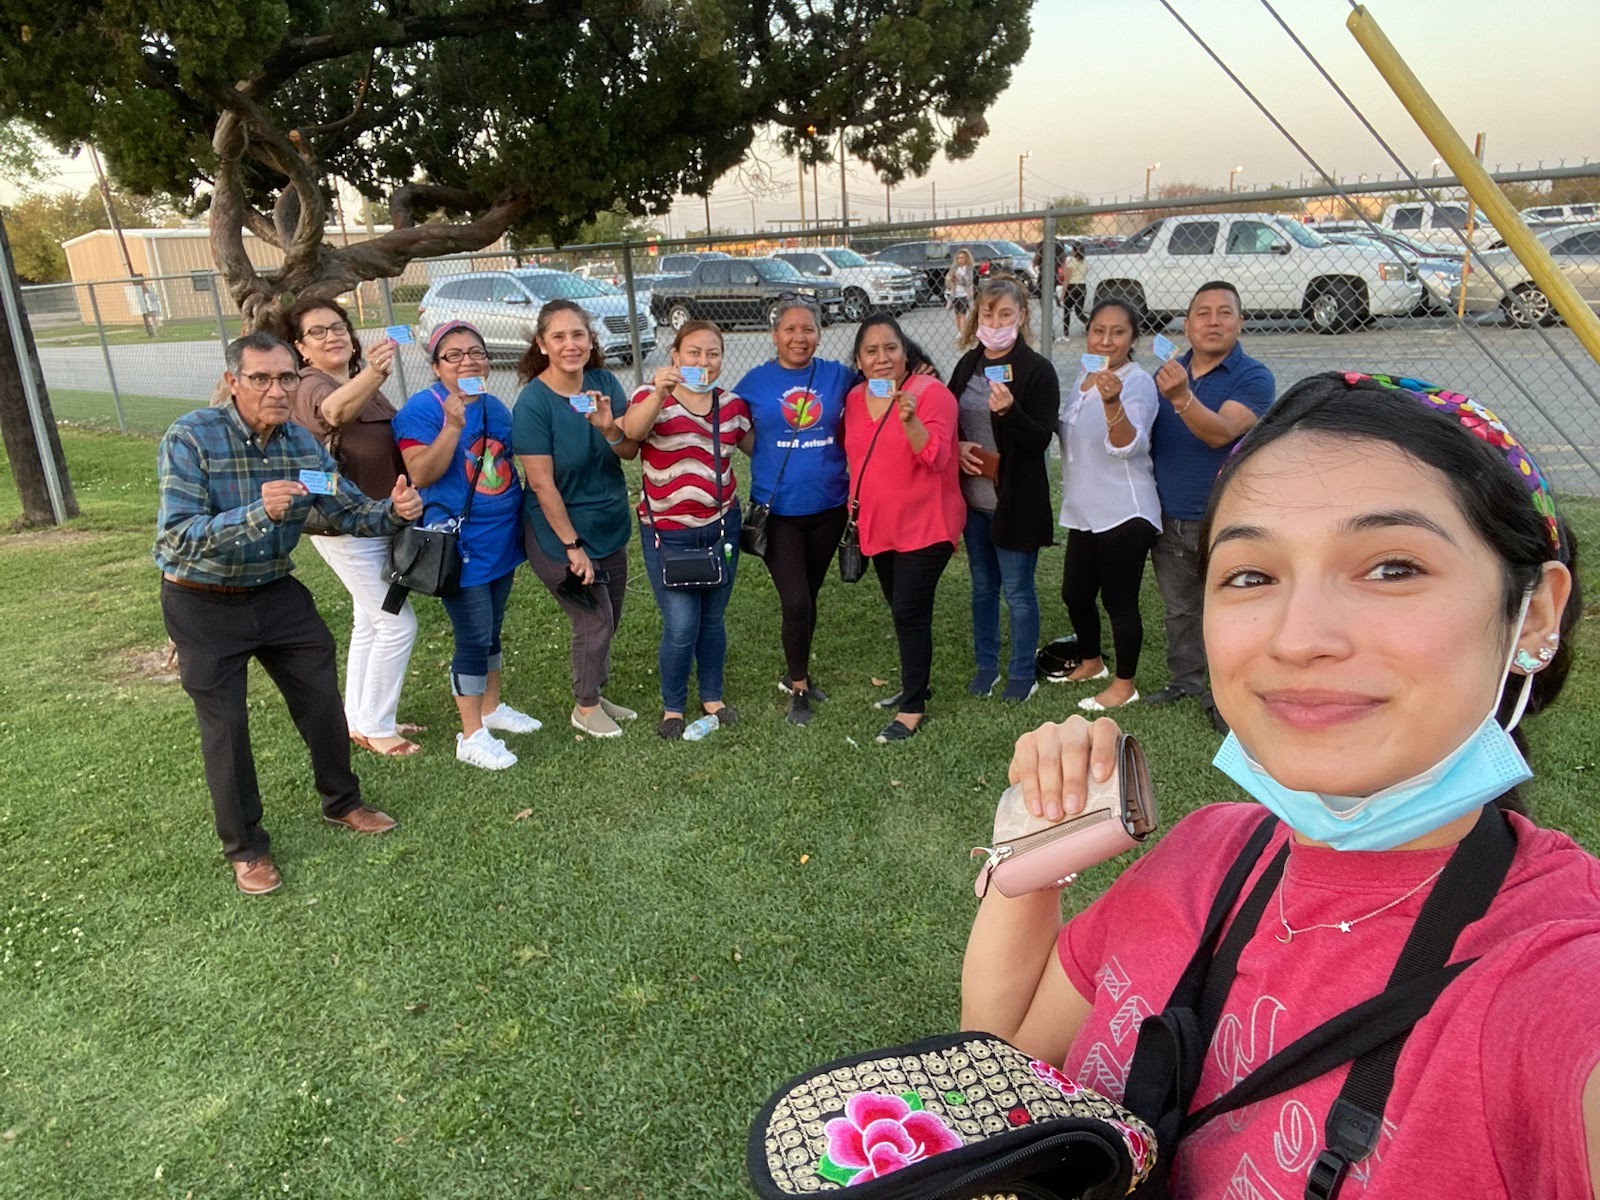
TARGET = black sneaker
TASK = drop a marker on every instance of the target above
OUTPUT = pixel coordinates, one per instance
(983, 682)
(1170, 695)
(786, 685)
(894, 731)
(800, 708)
(671, 728)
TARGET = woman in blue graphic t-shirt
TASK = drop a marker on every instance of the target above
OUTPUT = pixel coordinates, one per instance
(798, 469)
(457, 444)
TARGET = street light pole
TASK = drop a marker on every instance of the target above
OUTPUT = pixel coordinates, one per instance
(1021, 158)
(1155, 166)
(1231, 175)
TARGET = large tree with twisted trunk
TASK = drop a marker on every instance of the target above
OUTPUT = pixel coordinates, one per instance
(472, 118)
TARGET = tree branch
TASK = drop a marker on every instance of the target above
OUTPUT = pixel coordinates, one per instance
(404, 201)
(388, 255)
(229, 213)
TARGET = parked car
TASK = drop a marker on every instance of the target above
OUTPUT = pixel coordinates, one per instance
(1575, 249)
(1443, 272)
(740, 291)
(932, 260)
(1560, 214)
(1280, 267)
(1438, 223)
(682, 264)
(504, 305)
(868, 286)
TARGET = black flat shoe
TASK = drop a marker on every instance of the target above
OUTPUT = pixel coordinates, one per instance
(671, 728)
(726, 715)
(896, 732)
(818, 696)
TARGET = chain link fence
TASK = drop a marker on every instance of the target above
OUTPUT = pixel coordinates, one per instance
(1364, 277)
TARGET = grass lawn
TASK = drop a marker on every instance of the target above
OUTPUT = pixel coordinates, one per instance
(578, 977)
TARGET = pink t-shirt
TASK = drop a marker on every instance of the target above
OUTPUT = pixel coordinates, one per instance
(909, 501)
(1487, 1100)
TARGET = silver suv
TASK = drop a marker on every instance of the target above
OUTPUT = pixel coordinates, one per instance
(868, 286)
(504, 306)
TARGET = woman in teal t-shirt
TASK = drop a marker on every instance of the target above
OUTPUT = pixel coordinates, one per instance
(576, 520)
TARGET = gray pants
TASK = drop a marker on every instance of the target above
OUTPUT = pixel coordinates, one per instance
(592, 628)
(1176, 558)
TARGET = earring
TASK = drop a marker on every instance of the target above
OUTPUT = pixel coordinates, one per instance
(1526, 662)
(1546, 653)
(1553, 638)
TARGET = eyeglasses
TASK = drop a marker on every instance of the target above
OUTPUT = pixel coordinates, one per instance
(319, 333)
(476, 354)
(261, 381)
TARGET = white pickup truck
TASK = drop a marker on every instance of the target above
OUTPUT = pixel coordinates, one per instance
(1280, 267)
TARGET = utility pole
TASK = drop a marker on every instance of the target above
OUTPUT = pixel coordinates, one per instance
(1021, 158)
(844, 193)
(934, 203)
(800, 162)
(707, 198)
(122, 242)
(1147, 171)
(888, 213)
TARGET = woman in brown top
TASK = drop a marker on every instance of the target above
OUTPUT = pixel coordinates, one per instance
(341, 402)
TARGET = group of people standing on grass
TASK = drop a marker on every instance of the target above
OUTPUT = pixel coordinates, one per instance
(877, 452)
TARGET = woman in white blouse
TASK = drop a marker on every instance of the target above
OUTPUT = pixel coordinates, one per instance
(1109, 504)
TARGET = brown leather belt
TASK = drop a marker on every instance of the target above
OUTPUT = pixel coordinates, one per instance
(216, 589)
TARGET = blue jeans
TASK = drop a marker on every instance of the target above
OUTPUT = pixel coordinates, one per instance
(476, 614)
(995, 571)
(692, 628)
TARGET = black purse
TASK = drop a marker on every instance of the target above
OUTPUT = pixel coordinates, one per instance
(427, 558)
(754, 537)
(695, 566)
(852, 563)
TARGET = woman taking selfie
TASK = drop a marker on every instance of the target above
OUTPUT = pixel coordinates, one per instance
(688, 430)
(1388, 590)
(900, 435)
(341, 401)
(576, 509)
(1010, 397)
(455, 444)
(1109, 504)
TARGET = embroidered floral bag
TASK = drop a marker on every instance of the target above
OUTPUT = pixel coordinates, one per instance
(949, 1118)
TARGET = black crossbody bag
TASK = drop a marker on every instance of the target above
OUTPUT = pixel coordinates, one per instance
(427, 559)
(696, 566)
(754, 537)
(1172, 1046)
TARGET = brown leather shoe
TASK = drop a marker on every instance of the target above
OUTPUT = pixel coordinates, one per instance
(364, 820)
(257, 876)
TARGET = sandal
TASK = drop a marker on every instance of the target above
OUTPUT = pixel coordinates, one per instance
(401, 749)
(406, 729)
(360, 740)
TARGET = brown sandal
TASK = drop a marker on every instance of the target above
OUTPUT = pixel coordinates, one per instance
(401, 749)
(406, 729)
(360, 740)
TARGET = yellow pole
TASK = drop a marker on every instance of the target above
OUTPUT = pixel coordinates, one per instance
(1466, 251)
(1484, 191)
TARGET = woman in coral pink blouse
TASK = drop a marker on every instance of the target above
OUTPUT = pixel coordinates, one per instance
(901, 445)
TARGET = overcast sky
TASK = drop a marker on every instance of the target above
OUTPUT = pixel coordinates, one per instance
(1109, 87)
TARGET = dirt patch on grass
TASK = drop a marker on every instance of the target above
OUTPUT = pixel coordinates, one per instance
(153, 666)
(17, 534)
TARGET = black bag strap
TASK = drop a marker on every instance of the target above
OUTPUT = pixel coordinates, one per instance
(472, 484)
(855, 495)
(716, 470)
(1167, 1062)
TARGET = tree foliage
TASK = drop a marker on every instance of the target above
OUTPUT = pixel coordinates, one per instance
(528, 116)
(39, 223)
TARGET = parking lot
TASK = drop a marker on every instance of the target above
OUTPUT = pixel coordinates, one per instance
(180, 375)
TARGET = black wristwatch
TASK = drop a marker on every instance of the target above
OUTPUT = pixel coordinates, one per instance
(574, 544)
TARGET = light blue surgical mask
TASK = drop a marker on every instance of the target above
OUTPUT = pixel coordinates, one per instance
(1485, 766)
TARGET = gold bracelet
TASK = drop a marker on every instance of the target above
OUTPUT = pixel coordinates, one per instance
(1121, 417)
(1186, 407)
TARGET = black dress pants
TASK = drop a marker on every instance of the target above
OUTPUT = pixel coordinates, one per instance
(909, 579)
(217, 636)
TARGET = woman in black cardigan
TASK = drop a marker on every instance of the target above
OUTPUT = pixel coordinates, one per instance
(1010, 397)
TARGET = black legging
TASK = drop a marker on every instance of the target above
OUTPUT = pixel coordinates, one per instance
(1109, 565)
(799, 550)
(909, 579)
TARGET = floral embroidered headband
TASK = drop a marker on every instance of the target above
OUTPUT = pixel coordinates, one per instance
(1483, 424)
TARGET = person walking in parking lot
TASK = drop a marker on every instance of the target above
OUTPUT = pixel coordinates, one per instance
(959, 281)
(1215, 393)
(235, 491)
(1074, 292)
(576, 519)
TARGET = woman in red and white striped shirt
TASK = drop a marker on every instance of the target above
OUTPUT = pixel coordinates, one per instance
(688, 430)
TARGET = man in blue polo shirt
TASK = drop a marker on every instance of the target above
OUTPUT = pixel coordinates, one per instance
(1214, 394)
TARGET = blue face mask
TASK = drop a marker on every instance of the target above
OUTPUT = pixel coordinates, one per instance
(1483, 767)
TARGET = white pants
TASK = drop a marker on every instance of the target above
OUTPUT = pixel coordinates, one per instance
(380, 643)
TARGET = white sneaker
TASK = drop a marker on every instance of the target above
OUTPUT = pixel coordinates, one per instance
(484, 750)
(511, 721)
